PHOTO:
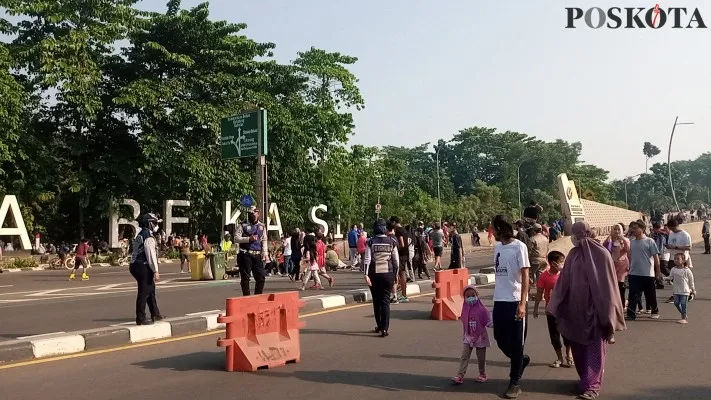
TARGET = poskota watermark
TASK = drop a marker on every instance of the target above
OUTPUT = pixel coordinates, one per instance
(635, 18)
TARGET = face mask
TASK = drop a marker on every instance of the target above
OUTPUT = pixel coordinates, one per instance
(471, 300)
(155, 229)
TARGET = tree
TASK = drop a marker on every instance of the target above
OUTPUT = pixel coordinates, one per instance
(650, 151)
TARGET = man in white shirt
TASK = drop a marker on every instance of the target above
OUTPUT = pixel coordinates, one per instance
(510, 294)
(679, 240)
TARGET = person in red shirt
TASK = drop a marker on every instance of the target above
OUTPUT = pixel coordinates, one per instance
(546, 283)
(362, 244)
(80, 260)
(321, 258)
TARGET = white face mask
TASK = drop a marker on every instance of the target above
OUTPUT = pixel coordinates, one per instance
(155, 229)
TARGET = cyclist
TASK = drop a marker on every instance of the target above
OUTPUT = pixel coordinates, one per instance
(80, 260)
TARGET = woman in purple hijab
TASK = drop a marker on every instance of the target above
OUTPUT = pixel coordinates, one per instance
(586, 303)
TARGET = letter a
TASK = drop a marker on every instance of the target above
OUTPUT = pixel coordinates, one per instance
(9, 203)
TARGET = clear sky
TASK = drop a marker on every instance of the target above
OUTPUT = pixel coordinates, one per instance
(429, 68)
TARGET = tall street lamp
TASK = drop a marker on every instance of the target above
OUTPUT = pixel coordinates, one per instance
(671, 138)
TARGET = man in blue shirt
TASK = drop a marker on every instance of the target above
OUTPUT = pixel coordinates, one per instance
(353, 244)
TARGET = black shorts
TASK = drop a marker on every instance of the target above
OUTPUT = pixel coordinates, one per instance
(79, 262)
(184, 258)
(438, 251)
(404, 263)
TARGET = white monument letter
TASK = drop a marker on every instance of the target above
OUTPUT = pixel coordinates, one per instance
(229, 217)
(273, 216)
(115, 222)
(338, 234)
(169, 219)
(318, 221)
(9, 203)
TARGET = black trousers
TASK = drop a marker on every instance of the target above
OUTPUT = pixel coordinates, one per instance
(251, 264)
(639, 285)
(420, 265)
(380, 289)
(554, 334)
(295, 266)
(143, 274)
(621, 286)
(510, 335)
(707, 244)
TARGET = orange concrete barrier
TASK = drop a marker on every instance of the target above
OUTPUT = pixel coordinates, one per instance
(449, 285)
(262, 331)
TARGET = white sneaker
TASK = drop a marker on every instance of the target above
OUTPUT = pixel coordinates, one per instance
(682, 321)
(655, 316)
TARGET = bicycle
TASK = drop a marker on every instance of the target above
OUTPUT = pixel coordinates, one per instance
(71, 262)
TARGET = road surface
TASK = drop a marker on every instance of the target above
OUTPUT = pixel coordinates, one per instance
(652, 360)
(33, 303)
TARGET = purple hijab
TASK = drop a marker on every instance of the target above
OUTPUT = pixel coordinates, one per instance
(586, 300)
(476, 312)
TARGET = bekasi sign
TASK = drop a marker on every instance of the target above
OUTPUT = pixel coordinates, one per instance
(229, 216)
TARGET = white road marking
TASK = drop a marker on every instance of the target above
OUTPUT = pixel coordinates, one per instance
(204, 312)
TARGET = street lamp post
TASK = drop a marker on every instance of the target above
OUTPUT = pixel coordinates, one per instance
(518, 180)
(671, 138)
(439, 196)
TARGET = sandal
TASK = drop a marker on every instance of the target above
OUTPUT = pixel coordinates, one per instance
(556, 364)
(482, 378)
(589, 395)
(457, 380)
(569, 363)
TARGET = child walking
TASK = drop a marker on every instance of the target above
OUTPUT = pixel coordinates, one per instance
(683, 284)
(475, 320)
(546, 283)
(309, 258)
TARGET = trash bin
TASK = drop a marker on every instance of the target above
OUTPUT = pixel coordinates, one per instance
(218, 265)
(197, 261)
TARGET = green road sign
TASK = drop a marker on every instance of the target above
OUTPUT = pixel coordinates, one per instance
(244, 135)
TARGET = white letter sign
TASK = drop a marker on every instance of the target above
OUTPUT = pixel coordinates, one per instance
(274, 217)
(9, 203)
(318, 221)
(115, 222)
(169, 220)
(228, 217)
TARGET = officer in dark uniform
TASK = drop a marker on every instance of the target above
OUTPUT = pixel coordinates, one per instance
(144, 268)
(381, 261)
(251, 236)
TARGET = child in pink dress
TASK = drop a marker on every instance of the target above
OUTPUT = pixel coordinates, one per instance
(475, 319)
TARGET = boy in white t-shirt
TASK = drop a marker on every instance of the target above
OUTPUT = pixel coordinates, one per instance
(510, 314)
(679, 240)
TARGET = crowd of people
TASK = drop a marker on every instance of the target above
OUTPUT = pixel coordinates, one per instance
(589, 295)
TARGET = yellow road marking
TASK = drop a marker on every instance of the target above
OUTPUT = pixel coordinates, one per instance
(170, 340)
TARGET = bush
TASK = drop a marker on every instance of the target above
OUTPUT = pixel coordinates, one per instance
(172, 254)
(19, 263)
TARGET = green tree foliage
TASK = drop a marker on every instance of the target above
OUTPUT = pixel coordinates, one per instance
(650, 151)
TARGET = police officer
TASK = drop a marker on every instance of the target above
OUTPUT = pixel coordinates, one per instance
(251, 236)
(144, 268)
(381, 261)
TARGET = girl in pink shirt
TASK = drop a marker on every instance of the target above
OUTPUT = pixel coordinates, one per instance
(475, 319)
(619, 247)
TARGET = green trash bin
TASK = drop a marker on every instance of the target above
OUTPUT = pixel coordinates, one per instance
(218, 265)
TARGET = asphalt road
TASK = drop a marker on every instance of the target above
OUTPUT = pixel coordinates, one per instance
(41, 302)
(653, 359)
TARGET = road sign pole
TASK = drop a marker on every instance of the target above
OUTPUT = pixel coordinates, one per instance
(260, 188)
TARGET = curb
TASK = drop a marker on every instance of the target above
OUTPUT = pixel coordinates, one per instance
(45, 267)
(29, 348)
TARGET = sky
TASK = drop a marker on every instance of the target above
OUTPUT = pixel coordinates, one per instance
(428, 69)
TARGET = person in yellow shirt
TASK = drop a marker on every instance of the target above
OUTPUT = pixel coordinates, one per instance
(226, 244)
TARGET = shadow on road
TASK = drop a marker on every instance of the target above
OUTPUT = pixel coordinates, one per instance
(675, 392)
(336, 333)
(396, 382)
(201, 361)
(409, 315)
(453, 360)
